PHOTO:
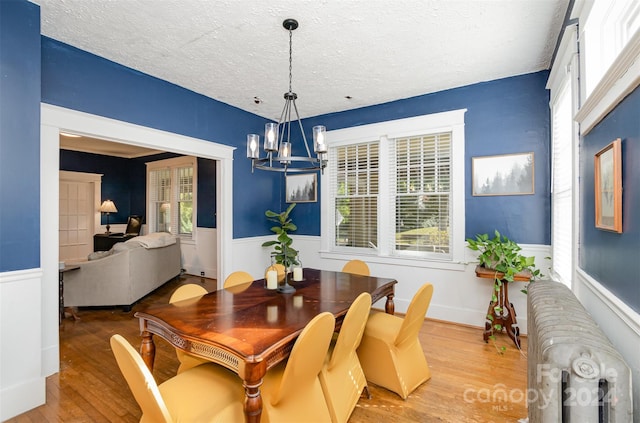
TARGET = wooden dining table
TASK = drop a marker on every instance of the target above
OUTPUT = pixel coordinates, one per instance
(249, 329)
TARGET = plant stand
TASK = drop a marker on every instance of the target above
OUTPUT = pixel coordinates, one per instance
(506, 313)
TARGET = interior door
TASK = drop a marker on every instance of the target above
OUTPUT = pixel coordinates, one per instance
(76, 220)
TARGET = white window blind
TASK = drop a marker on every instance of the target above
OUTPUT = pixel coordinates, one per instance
(171, 187)
(395, 191)
(355, 193)
(561, 188)
(185, 200)
(160, 199)
(422, 193)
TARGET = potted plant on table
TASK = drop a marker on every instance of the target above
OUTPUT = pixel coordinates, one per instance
(283, 252)
(502, 256)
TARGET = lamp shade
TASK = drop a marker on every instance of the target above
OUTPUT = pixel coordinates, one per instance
(108, 207)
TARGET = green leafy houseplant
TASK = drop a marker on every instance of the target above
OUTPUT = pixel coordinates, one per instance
(502, 255)
(284, 253)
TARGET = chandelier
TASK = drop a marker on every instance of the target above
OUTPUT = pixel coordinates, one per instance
(277, 136)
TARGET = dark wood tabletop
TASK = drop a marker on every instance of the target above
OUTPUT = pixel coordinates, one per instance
(249, 329)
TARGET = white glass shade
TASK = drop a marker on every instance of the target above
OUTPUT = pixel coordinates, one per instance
(271, 136)
(319, 139)
(253, 146)
(285, 152)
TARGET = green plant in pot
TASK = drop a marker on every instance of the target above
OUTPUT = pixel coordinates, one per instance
(283, 252)
(502, 255)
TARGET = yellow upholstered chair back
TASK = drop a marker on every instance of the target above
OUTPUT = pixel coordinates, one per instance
(351, 330)
(306, 360)
(140, 381)
(416, 312)
(356, 267)
(342, 377)
(279, 268)
(237, 278)
(187, 291)
(180, 295)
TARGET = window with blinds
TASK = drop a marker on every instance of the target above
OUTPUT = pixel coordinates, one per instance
(395, 191)
(185, 200)
(561, 184)
(355, 191)
(171, 196)
(422, 175)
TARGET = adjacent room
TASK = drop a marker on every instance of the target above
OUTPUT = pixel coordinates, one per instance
(441, 226)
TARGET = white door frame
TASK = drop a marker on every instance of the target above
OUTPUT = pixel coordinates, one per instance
(56, 119)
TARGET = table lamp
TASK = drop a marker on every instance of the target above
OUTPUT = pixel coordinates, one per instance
(108, 207)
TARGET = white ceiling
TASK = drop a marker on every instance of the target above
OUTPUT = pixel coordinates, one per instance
(346, 53)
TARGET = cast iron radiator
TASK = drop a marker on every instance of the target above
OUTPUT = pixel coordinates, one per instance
(574, 373)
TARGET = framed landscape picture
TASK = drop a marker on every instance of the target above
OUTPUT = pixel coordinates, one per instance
(608, 187)
(507, 174)
(301, 188)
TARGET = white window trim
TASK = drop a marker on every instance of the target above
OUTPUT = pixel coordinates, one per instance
(173, 164)
(452, 121)
(620, 79)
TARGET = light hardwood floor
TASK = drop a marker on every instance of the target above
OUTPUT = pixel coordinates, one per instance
(470, 381)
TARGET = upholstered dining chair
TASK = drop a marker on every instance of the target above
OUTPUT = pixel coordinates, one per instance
(390, 352)
(183, 293)
(199, 394)
(291, 391)
(356, 267)
(237, 278)
(342, 378)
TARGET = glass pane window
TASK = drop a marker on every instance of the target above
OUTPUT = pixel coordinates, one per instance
(356, 195)
(422, 198)
(172, 194)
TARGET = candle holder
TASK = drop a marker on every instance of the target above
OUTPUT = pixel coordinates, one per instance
(286, 288)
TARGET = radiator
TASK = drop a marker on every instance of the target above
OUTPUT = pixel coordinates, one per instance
(574, 373)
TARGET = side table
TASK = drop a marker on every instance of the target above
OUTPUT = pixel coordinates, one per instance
(104, 242)
(505, 315)
(61, 272)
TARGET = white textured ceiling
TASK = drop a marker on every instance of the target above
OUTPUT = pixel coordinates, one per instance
(346, 53)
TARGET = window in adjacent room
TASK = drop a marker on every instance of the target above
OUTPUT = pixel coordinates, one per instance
(171, 188)
(396, 189)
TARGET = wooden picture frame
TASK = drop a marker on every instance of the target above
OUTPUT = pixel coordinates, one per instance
(301, 188)
(506, 174)
(608, 187)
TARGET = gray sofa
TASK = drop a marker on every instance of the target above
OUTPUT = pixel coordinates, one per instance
(124, 274)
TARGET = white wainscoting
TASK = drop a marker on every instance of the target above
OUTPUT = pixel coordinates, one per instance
(618, 321)
(22, 384)
(201, 256)
(459, 296)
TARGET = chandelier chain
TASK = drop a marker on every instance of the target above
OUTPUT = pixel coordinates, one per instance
(290, 56)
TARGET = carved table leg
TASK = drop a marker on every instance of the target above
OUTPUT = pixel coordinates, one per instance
(252, 402)
(389, 306)
(505, 316)
(148, 349)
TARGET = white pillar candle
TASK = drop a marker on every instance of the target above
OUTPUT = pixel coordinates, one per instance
(297, 274)
(272, 279)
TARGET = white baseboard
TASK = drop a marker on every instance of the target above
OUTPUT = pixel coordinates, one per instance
(18, 399)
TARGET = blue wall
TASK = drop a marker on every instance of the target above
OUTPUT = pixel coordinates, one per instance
(78, 80)
(504, 116)
(19, 135)
(124, 182)
(614, 259)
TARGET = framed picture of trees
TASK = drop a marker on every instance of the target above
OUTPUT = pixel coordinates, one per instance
(301, 188)
(507, 174)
